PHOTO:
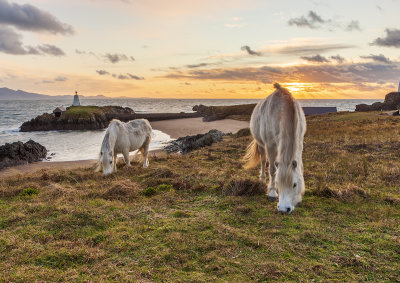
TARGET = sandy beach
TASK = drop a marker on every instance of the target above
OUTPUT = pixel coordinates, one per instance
(175, 128)
(192, 126)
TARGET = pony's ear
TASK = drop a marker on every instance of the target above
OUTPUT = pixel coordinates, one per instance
(276, 164)
(294, 164)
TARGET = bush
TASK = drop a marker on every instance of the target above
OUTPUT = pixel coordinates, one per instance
(150, 191)
(28, 192)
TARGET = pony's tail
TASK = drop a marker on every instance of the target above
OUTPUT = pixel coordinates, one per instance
(253, 156)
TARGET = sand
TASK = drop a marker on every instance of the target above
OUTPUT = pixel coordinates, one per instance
(175, 128)
(191, 126)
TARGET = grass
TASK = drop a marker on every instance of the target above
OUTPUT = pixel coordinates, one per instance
(80, 226)
(82, 111)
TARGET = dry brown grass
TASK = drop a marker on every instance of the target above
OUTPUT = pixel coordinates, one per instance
(174, 222)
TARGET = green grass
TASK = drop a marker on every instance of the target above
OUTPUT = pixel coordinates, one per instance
(82, 111)
(82, 226)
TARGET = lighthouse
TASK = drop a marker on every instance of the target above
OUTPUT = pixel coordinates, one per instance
(76, 101)
(399, 87)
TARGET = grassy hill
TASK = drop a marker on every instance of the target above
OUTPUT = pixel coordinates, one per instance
(177, 220)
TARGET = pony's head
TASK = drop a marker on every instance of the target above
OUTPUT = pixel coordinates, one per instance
(290, 183)
(107, 162)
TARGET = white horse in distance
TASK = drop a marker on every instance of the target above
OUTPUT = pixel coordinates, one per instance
(122, 138)
(278, 126)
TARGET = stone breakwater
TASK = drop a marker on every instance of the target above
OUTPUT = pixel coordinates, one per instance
(19, 153)
(93, 118)
(392, 102)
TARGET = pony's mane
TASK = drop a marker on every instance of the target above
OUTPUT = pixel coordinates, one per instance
(288, 137)
(106, 141)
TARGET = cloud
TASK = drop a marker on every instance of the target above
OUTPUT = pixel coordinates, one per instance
(126, 76)
(102, 72)
(115, 58)
(250, 51)
(353, 25)
(392, 39)
(28, 17)
(10, 43)
(133, 77)
(312, 21)
(122, 77)
(315, 59)
(193, 66)
(56, 79)
(308, 49)
(51, 50)
(321, 73)
(338, 58)
(378, 58)
(60, 79)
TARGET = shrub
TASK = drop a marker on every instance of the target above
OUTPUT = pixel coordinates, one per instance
(28, 192)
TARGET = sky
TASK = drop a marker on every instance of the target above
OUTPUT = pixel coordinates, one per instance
(201, 49)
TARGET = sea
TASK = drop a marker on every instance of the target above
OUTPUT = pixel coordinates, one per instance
(83, 145)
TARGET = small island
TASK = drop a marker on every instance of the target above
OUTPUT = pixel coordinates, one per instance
(91, 118)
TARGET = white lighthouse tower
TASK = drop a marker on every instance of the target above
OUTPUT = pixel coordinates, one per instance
(399, 87)
(76, 101)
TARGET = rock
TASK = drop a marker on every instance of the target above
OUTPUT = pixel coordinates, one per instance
(392, 102)
(190, 143)
(18, 153)
(212, 113)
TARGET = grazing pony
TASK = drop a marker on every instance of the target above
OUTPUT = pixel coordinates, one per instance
(122, 138)
(278, 126)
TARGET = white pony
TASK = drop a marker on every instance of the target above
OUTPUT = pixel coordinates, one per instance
(278, 126)
(122, 138)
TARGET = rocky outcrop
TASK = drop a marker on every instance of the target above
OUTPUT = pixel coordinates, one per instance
(190, 143)
(212, 113)
(392, 102)
(18, 153)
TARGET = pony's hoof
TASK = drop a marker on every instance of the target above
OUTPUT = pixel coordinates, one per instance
(299, 204)
(272, 199)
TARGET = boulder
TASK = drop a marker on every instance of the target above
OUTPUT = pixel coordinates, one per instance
(190, 143)
(18, 153)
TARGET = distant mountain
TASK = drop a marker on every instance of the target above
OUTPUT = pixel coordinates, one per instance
(10, 94)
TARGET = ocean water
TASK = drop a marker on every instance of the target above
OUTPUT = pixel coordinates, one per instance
(82, 145)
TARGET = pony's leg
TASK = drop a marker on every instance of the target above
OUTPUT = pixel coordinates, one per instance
(261, 149)
(126, 158)
(145, 152)
(272, 195)
(115, 162)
